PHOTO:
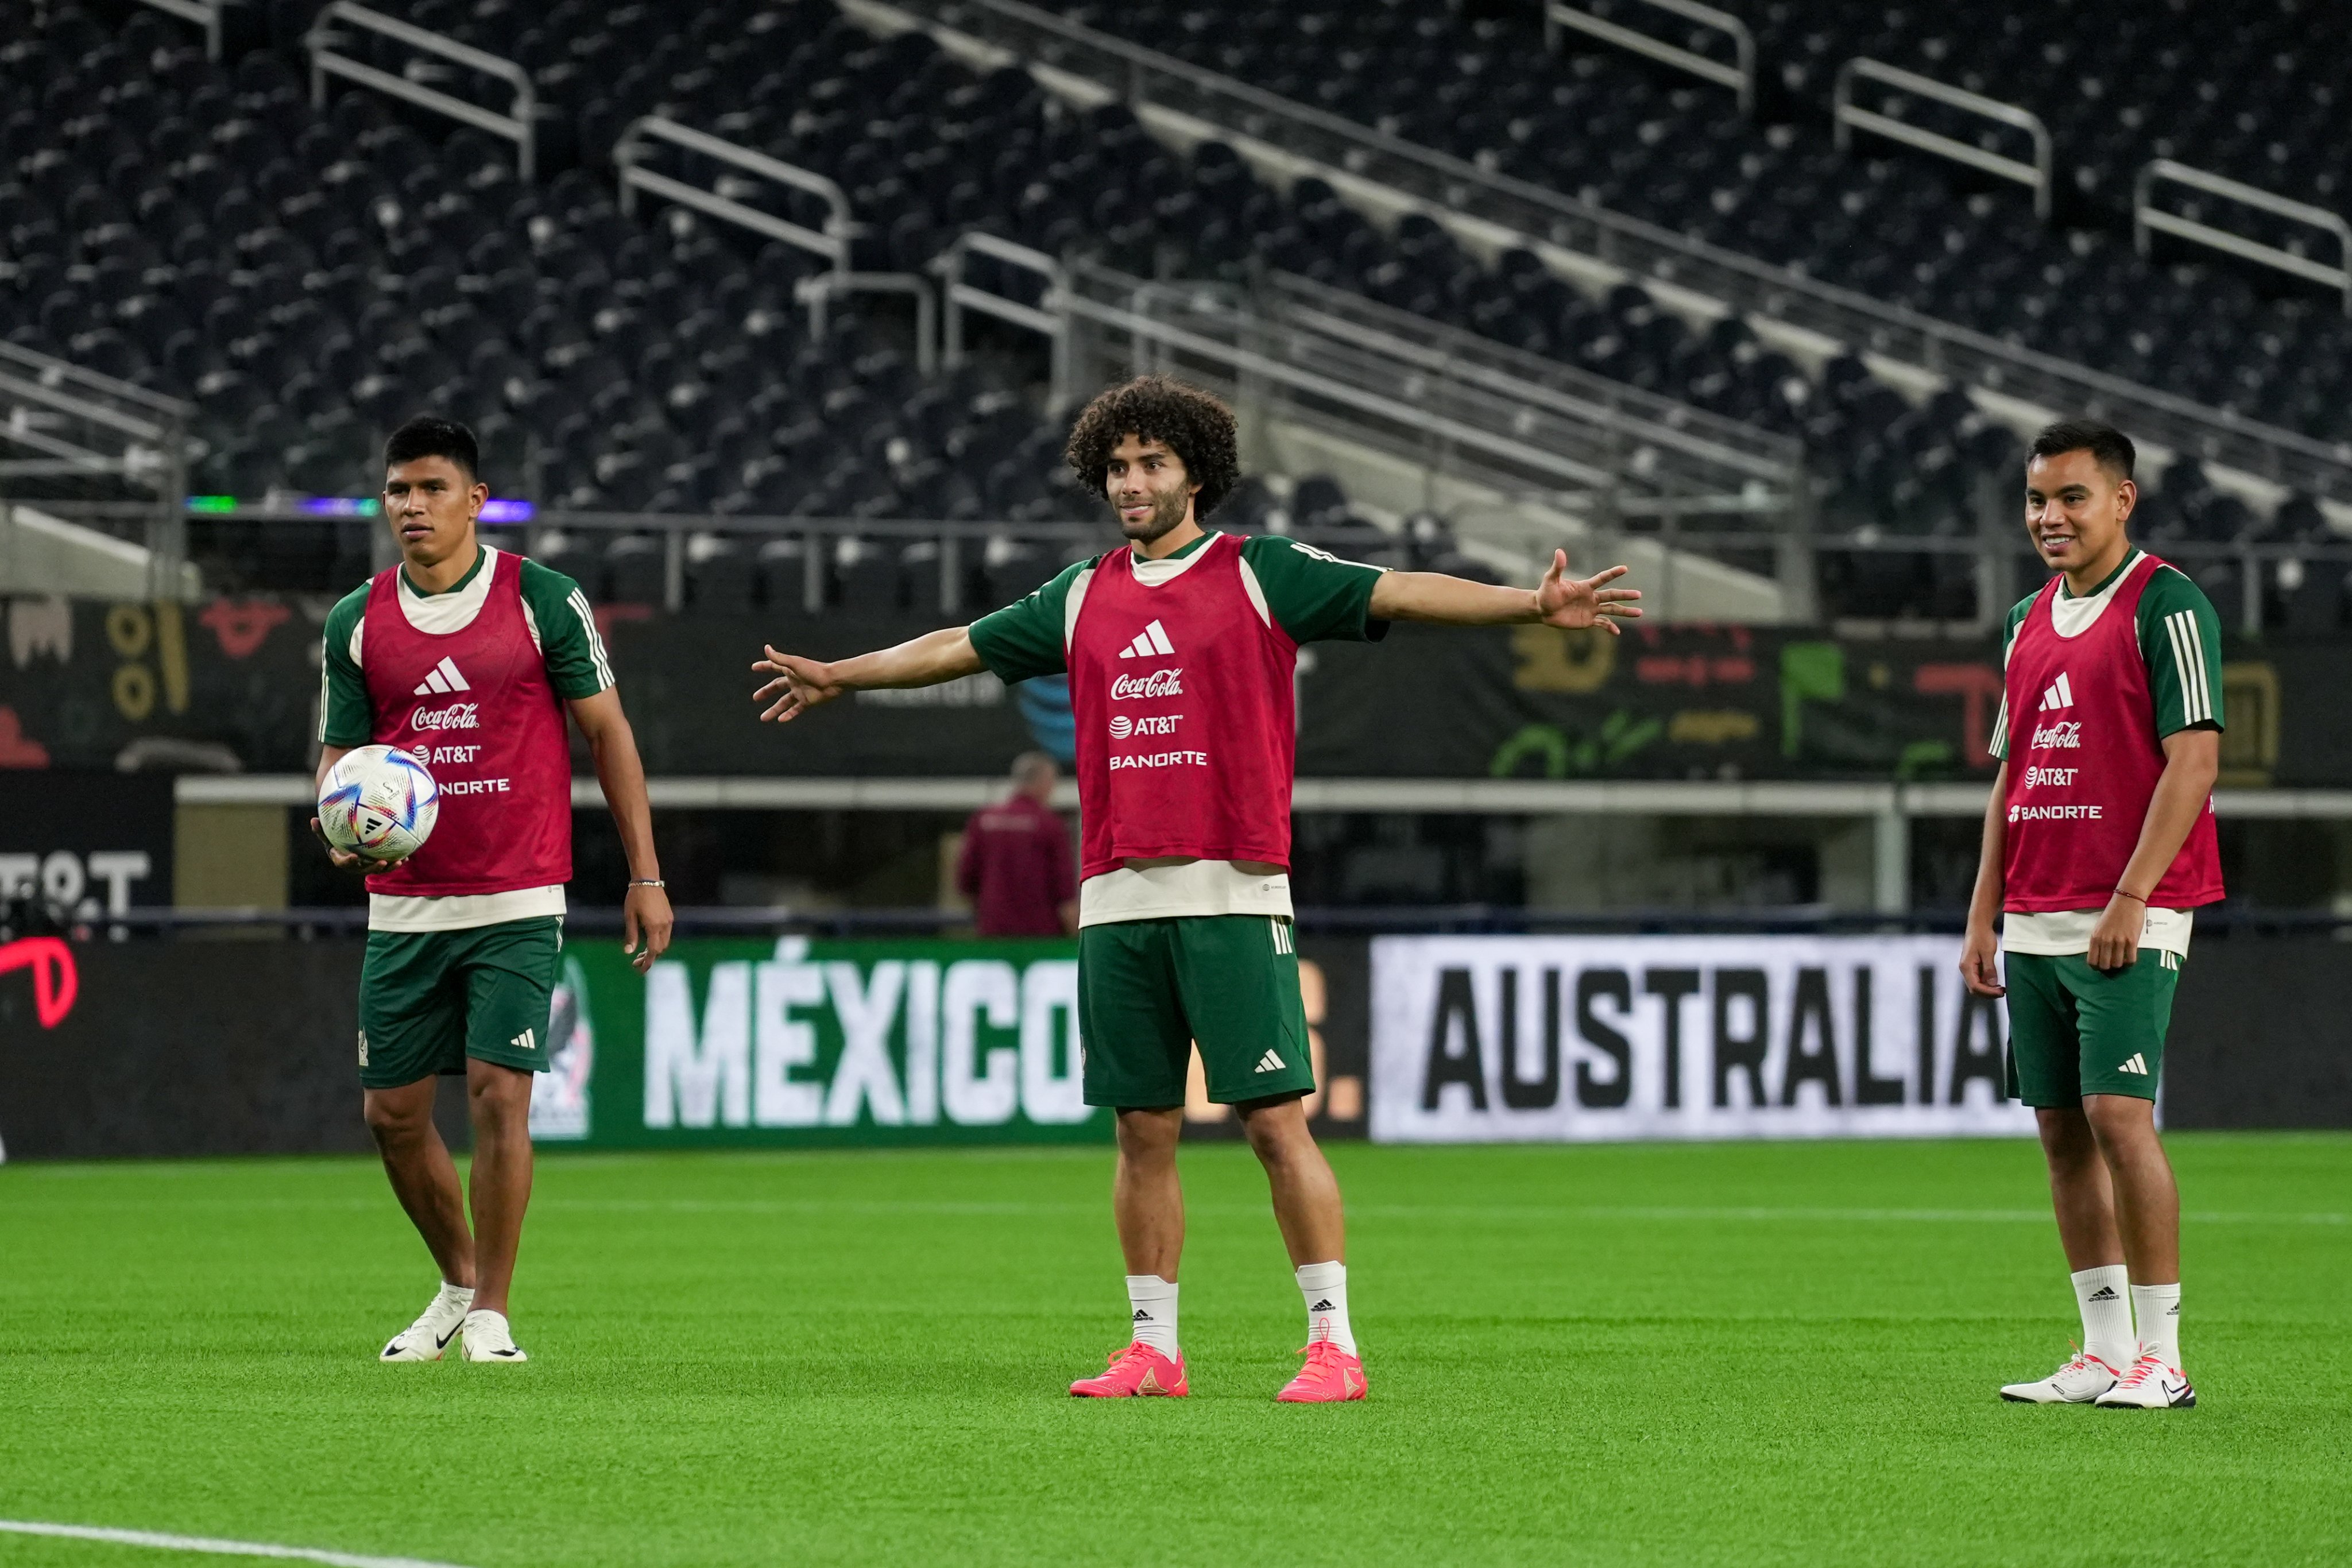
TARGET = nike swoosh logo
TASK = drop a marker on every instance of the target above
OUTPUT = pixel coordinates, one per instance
(443, 1343)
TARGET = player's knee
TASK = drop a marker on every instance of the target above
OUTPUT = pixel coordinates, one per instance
(392, 1120)
(2119, 1123)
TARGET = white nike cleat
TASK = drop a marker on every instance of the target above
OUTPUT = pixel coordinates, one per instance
(430, 1334)
(488, 1338)
(2078, 1382)
(2150, 1385)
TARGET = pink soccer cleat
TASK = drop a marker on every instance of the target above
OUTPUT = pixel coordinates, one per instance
(1136, 1371)
(1330, 1376)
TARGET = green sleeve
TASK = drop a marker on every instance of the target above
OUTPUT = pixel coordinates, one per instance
(568, 638)
(1315, 596)
(2181, 638)
(344, 718)
(1999, 747)
(1025, 639)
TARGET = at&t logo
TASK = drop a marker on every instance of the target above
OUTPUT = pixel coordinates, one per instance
(1122, 727)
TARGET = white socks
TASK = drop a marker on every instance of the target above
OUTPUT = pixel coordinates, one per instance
(2157, 1308)
(1152, 1300)
(2105, 1297)
(1324, 1286)
(458, 1296)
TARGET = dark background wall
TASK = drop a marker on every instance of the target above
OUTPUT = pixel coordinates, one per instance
(246, 1047)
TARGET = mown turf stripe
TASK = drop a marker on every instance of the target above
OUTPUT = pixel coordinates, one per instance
(205, 1544)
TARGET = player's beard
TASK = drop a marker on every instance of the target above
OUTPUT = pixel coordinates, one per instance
(1167, 511)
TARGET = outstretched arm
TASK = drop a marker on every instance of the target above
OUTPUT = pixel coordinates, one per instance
(1559, 600)
(927, 660)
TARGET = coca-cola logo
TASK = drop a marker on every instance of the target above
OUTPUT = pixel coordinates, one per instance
(457, 715)
(1158, 683)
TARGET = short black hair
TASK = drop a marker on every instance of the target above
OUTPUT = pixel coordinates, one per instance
(430, 435)
(2108, 446)
(1196, 426)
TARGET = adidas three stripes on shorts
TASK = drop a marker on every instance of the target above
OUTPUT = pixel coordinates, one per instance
(2075, 1030)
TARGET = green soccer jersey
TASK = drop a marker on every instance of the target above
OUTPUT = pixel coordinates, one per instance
(553, 606)
(2179, 641)
(1313, 596)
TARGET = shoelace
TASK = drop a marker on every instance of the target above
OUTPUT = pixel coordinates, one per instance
(2145, 1367)
(1320, 1352)
(1131, 1351)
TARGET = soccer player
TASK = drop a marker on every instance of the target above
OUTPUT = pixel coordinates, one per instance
(467, 657)
(2098, 844)
(1180, 648)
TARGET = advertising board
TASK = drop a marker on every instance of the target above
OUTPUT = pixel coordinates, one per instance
(1492, 1038)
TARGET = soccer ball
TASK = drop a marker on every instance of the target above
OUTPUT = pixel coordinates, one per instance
(378, 803)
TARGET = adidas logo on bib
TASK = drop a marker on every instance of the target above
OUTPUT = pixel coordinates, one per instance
(1150, 643)
(443, 678)
(2060, 693)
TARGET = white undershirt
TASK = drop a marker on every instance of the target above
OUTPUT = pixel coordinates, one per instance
(2057, 933)
(1184, 889)
(438, 615)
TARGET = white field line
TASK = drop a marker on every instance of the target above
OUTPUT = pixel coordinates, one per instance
(204, 1544)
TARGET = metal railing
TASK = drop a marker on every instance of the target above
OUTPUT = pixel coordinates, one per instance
(1849, 117)
(70, 434)
(1348, 153)
(1740, 77)
(833, 241)
(1728, 453)
(519, 126)
(2147, 219)
(205, 14)
(1046, 318)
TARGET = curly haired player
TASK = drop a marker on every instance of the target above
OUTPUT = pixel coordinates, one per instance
(1180, 647)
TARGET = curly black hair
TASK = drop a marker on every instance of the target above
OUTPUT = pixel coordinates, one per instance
(1196, 426)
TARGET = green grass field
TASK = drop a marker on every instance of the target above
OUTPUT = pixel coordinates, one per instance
(1729, 1353)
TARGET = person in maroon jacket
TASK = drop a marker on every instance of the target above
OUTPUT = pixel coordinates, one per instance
(1016, 864)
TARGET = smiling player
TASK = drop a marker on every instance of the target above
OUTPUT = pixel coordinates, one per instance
(2098, 843)
(467, 657)
(1180, 647)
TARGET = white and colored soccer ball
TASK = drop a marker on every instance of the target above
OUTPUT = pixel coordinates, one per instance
(378, 803)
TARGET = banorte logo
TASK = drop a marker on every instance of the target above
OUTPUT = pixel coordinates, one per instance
(55, 981)
(1158, 683)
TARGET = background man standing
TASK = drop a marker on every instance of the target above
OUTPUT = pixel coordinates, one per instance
(467, 657)
(1180, 647)
(2098, 843)
(1015, 863)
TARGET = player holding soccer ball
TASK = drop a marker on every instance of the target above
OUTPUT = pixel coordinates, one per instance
(1180, 648)
(2098, 846)
(465, 657)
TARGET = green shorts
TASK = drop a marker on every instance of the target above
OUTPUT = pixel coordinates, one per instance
(1147, 989)
(2073, 1030)
(429, 1000)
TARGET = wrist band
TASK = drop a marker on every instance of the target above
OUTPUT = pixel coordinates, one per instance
(2133, 896)
(648, 882)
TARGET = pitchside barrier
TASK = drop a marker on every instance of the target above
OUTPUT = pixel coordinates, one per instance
(211, 1047)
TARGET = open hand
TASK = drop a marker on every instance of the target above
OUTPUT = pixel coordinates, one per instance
(1570, 603)
(799, 684)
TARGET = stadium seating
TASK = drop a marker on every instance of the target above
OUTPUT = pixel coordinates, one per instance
(308, 276)
(1608, 127)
